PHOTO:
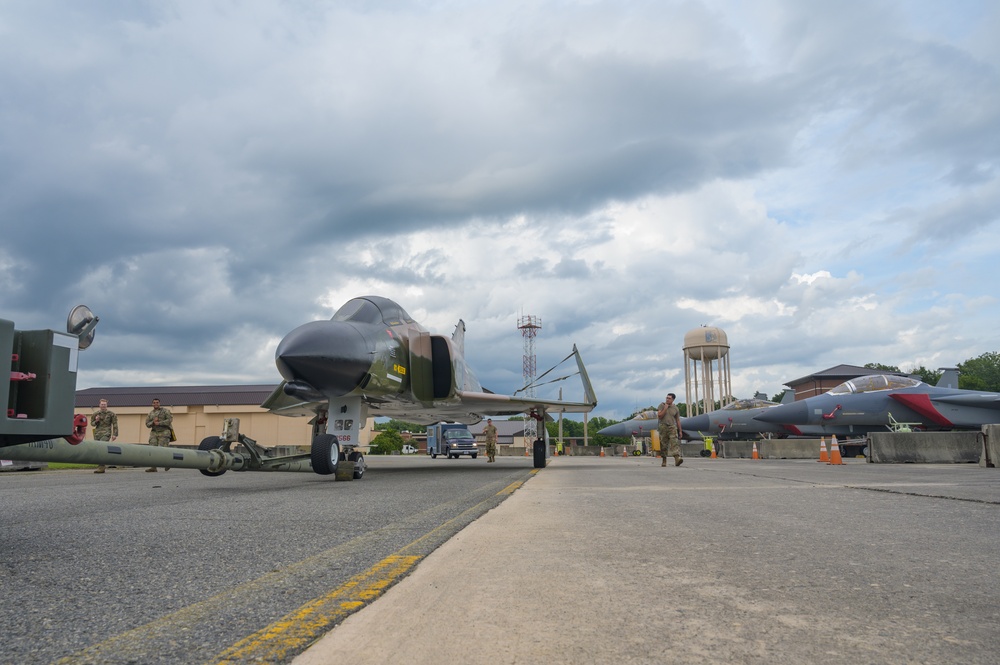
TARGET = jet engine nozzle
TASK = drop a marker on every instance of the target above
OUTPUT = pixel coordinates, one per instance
(332, 357)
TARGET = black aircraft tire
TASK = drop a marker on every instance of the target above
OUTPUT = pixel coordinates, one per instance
(539, 454)
(325, 454)
(359, 464)
(211, 443)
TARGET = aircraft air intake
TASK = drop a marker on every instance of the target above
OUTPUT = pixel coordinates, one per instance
(697, 423)
(796, 413)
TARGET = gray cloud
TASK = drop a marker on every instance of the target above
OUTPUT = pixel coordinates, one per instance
(207, 177)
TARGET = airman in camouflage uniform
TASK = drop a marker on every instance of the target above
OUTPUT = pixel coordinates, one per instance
(670, 429)
(159, 421)
(491, 440)
(105, 424)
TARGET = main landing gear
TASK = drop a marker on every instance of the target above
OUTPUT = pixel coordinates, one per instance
(329, 458)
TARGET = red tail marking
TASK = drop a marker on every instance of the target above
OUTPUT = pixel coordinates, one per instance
(921, 403)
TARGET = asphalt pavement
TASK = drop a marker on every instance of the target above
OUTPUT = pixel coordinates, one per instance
(599, 560)
(175, 568)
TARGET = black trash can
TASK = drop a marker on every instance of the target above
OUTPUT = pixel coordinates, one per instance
(539, 450)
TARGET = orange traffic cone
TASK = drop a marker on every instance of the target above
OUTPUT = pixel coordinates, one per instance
(602, 451)
(822, 451)
(714, 456)
(834, 452)
(624, 452)
(755, 455)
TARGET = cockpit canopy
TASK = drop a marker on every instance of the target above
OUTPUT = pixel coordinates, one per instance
(372, 309)
(874, 382)
(744, 404)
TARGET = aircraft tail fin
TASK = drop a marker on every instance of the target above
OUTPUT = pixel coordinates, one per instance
(458, 337)
(949, 378)
(589, 396)
(788, 397)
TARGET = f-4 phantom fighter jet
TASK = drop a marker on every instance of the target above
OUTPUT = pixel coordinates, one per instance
(880, 401)
(373, 359)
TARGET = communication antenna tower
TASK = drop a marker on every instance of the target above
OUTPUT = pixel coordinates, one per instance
(529, 327)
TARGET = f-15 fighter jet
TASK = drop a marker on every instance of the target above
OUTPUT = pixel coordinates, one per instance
(880, 401)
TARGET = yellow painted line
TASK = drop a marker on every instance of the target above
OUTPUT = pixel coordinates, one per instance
(293, 632)
(510, 488)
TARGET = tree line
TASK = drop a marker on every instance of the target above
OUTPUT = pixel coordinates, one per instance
(979, 373)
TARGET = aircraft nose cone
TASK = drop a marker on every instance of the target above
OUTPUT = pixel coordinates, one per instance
(697, 423)
(613, 430)
(796, 413)
(330, 356)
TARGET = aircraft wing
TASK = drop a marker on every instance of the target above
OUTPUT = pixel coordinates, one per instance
(470, 408)
(490, 404)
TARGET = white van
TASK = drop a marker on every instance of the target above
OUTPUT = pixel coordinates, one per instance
(408, 449)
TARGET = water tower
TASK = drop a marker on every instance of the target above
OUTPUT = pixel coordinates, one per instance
(706, 369)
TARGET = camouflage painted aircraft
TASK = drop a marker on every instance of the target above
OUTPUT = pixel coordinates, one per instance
(885, 401)
(370, 359)
(373, 359)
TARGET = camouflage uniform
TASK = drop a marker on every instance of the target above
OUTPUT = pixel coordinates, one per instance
(159, 434)
(491, 441)
(670, 444)
(105, 424)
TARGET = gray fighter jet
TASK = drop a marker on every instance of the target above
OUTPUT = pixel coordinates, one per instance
(738, 420)
(881, 401)
(640, 426)
(729, 422)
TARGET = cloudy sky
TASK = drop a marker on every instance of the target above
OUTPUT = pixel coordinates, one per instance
(820, 180)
